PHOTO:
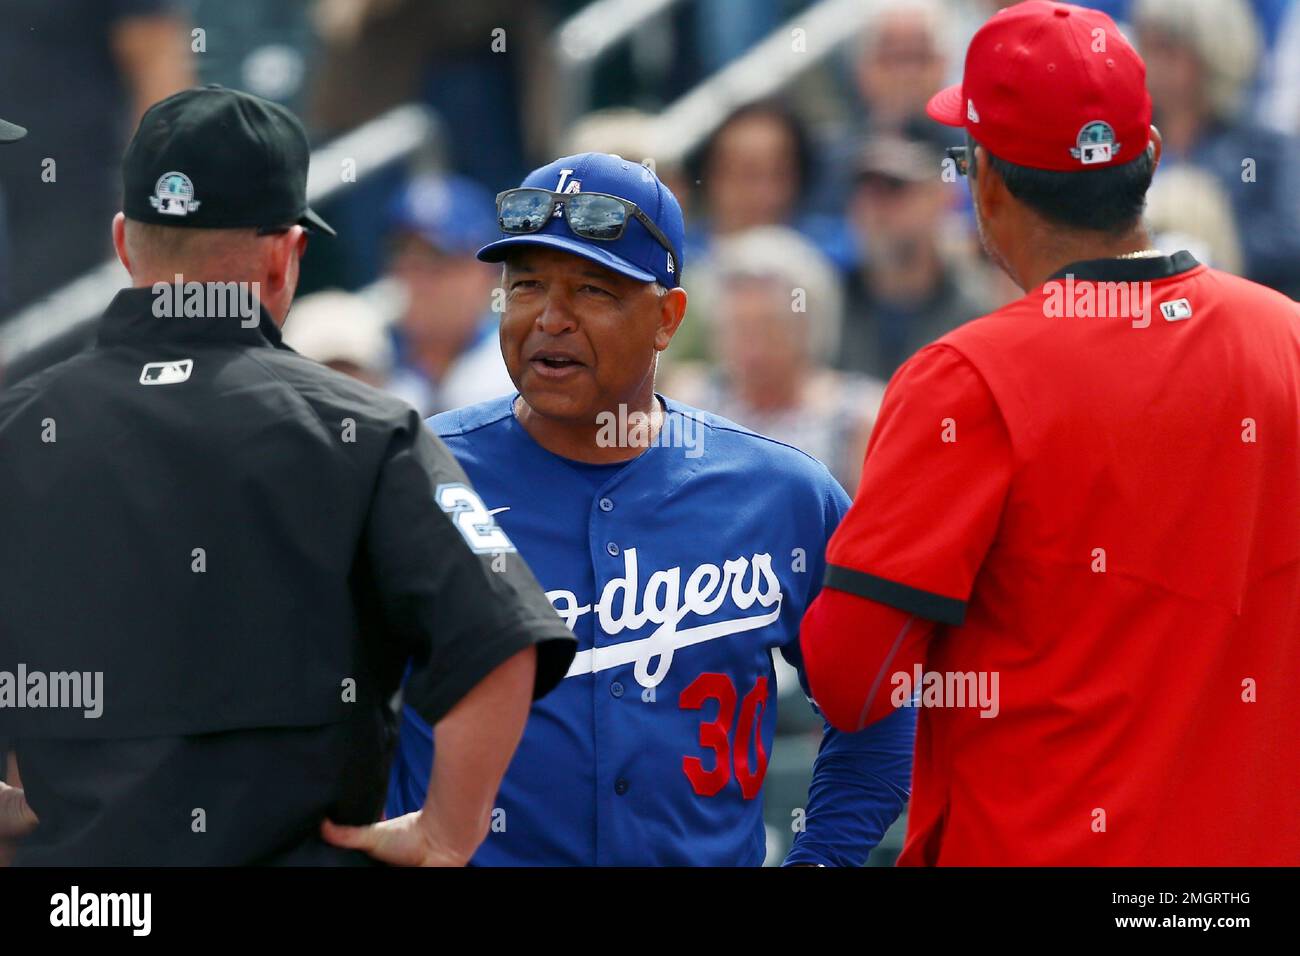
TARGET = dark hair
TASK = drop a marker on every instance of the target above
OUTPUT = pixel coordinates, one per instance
(1107, 200)
(777, 110)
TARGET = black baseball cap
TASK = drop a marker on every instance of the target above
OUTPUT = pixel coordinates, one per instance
(214, 158)
(898, 159)
(11, 132)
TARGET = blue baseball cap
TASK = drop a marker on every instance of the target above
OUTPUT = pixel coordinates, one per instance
(451, 213)
(636, 254)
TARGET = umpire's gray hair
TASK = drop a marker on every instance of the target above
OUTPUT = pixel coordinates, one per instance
(1225, 36)
(781, 255)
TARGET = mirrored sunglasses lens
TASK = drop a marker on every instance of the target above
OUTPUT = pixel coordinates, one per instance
(595, 217)
(524, 211)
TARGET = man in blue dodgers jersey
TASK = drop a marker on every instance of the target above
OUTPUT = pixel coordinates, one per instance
(680, 548)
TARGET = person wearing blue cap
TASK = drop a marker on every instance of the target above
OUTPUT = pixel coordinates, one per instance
(680, 548)
(445, 336)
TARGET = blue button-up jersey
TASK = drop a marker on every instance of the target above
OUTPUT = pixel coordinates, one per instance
(679, 572)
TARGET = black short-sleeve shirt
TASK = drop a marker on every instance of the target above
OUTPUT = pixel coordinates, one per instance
(217, 559)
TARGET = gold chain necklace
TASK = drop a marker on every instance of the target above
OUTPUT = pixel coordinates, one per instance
(1144, 254)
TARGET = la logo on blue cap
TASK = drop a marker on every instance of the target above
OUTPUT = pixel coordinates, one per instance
(574, 185)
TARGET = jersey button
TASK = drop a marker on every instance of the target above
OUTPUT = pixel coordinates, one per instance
(606, 504)
(612, 548)
(620, 787)
(616, 689)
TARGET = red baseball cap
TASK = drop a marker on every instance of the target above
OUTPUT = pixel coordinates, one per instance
(1051, 86)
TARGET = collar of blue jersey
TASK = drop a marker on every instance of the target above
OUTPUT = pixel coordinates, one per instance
(130, 317)
(1147, 269)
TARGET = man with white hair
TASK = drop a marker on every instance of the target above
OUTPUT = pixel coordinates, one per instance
(903, 55)
(777, 320)
(343, 331)
(1202, 57)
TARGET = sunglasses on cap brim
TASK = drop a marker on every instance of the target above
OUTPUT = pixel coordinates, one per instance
(597, 216)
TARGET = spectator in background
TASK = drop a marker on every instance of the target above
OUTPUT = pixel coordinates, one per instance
(623, 131)
(446, 335)
(343, 331)
(630, 133)
(1188, 209)
(482, 67)
(901, 57)
(911, 286)
(754, 171)
(378, 54)
(87, 70)
(729, 28)
(777, 318)
(902, 60)
(257, 46)
(1280, 101)
(754, 168)
(1201, 56)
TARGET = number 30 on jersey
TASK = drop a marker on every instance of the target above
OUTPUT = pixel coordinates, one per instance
(728, 750)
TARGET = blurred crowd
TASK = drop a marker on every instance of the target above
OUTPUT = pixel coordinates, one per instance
(824, 246)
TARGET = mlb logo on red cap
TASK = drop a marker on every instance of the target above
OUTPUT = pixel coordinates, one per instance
(1096, 144)
(1051, 86)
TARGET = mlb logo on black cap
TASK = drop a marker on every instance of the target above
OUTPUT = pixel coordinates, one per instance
(248, 155)
(174, 195)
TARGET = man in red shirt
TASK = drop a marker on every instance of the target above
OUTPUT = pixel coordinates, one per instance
(1076, 545)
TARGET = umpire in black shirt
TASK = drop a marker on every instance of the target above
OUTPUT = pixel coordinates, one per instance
(217, 557)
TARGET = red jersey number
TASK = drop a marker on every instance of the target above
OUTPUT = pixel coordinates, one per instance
(715, 735)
